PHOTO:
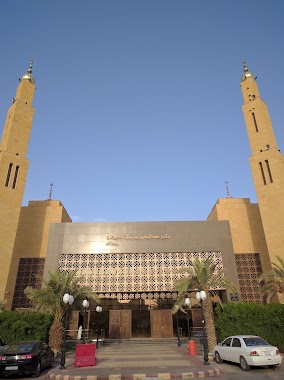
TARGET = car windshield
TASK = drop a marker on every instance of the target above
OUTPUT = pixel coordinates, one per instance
(21, 347)
(254, 341)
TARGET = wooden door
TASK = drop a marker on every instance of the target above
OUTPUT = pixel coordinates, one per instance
(120, 324)
(167, 323)
(161, 323)
(196, 317)
(125, 324)
(155, 318)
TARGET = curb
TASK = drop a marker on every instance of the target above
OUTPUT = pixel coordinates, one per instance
(140, 376)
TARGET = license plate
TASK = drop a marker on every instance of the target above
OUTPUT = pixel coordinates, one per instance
(11, 368)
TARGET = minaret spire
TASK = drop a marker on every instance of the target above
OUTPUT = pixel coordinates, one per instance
(227, 189)
(266, 164)
(30, 69)
(247, 74)
(50, 192)
(245, 66)
(28, 76)
(14, 168)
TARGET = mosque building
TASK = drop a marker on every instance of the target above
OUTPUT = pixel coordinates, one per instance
(134, 266)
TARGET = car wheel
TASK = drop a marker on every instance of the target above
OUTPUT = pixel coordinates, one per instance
(51, 362)
(244, 365)
(218, 358)
(37, 371)
(272, 366)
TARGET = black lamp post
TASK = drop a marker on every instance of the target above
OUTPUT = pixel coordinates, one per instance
(99, 309)
(68, 299)
(201, 296)
(85, 305)
(187, 304)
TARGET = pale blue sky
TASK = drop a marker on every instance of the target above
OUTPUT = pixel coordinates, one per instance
(138, 105)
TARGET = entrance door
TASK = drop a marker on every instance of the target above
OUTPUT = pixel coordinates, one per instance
(196, 317)
(120, 324)
(161, 323)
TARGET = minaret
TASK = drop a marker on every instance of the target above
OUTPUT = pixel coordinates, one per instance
(13, 169)
(267, 165)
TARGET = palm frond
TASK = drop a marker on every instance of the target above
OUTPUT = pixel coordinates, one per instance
(273, 280)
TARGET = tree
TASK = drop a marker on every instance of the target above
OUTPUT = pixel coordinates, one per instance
(50, 299)
(274, 280)
(203, 275)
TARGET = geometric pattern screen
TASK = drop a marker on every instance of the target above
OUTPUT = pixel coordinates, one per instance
(134, 275)
(30, 273)
(249, 268)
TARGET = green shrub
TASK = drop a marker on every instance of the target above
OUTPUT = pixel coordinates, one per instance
(265, 320)
(19, 325)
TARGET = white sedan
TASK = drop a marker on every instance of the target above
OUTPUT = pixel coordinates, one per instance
(247, 350)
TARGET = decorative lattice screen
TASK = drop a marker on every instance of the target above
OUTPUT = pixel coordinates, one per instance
(30, 273)
(249, 269)
(130, 274)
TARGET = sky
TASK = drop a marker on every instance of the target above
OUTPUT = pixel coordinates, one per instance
(138, 103)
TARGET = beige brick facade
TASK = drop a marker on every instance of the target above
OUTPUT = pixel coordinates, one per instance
(32, 235)
(13, 170)
(267, 165)
(245, 224)
(255, 232)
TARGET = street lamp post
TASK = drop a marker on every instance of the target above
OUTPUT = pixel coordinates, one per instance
(201, 296)
(187, 304)
(99, 309)
(178, 337)
(85, 305)
(68, 299)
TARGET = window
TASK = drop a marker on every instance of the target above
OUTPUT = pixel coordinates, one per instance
(15, 177)
(8, 175)
(269, 172)
(255, 341)
(262, 172)
(227, 342)
(236, 342)
(254, 120)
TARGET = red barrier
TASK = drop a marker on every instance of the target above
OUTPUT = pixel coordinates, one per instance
(191, 347)
(85, 355)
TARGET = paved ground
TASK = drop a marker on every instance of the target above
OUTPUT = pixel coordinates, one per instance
(234, 372)
(135, 361)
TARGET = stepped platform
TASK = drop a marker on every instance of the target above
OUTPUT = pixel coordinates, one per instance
(138, 359)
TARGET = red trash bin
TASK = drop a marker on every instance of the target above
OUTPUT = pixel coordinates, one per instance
(191, 347)
(85, 355)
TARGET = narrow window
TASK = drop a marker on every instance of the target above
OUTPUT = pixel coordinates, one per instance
(15, 177)
(254, 120)
(262, 172)
(269, 172)
(8, 175)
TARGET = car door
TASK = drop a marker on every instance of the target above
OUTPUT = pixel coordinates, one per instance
(235, 351)
(225, 348)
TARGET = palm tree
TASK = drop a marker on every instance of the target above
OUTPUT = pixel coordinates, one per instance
(274, 280)
(203, 275)
(50, 299)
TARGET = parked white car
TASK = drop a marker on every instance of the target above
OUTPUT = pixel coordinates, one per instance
(247, 350)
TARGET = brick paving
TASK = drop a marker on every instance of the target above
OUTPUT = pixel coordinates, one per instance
(137, 361)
